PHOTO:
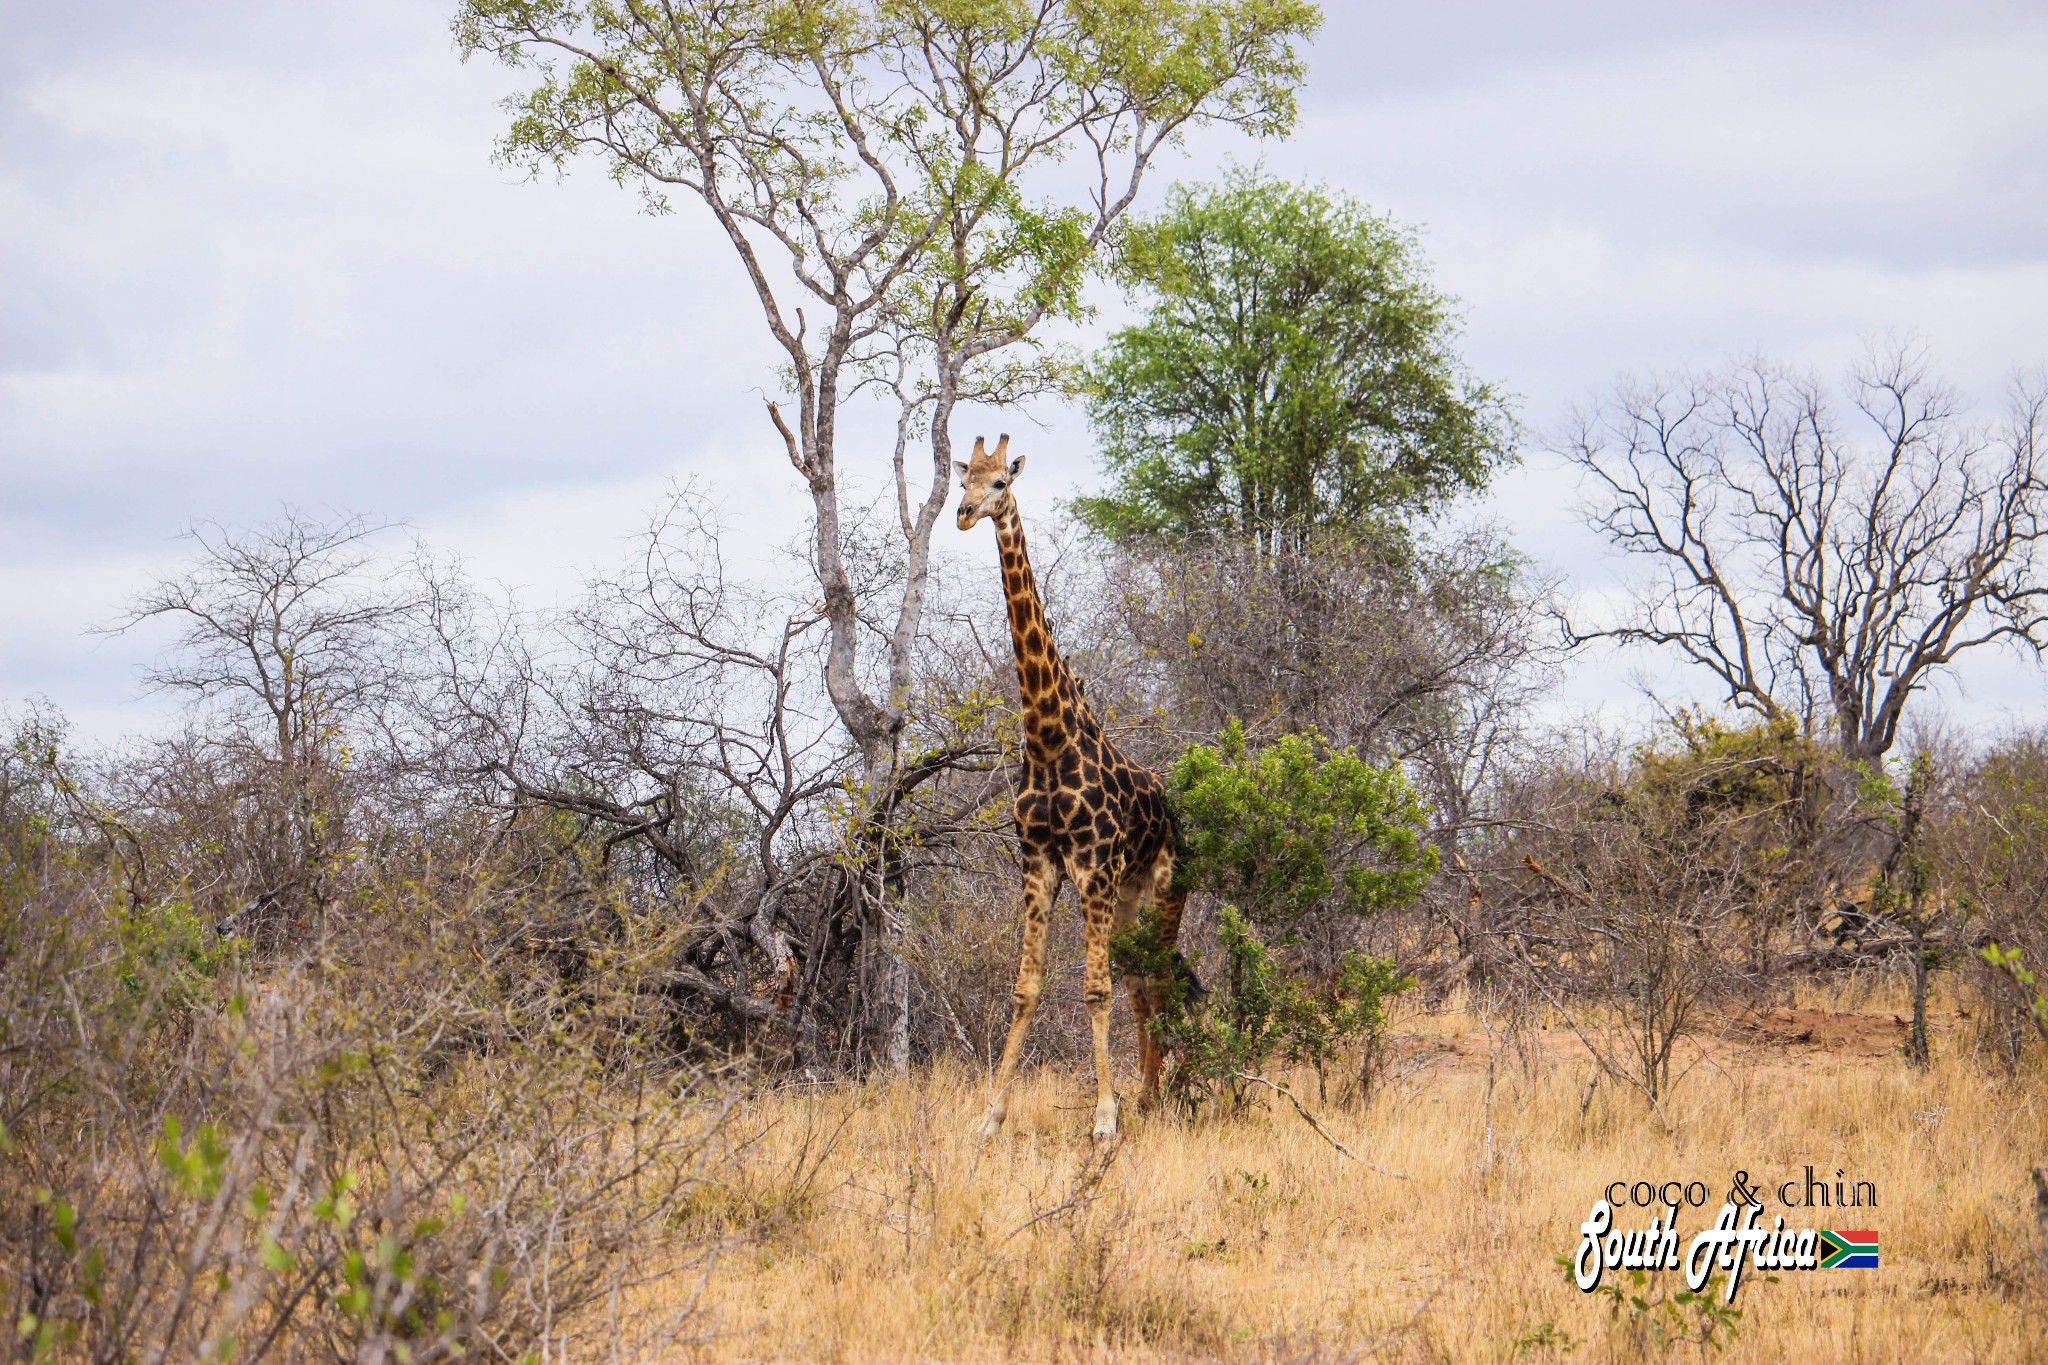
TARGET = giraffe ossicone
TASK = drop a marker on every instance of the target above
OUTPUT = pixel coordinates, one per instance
(1086, 813)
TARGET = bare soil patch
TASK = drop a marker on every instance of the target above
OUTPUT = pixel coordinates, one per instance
(1859, 1035)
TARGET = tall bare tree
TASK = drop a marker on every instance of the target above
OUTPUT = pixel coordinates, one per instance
(1819, 564)
(912, 188)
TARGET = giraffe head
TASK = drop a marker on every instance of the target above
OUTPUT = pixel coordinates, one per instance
(985, 478)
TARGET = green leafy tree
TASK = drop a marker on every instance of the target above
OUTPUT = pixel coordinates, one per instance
(1267, 1013)
(1295, 369)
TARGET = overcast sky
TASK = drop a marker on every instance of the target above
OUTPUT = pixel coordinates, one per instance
(254, 253)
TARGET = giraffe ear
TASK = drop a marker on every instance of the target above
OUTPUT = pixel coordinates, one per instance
(960, 467)
(1016, 466)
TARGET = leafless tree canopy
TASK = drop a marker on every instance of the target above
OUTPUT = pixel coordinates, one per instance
(1422, 653)
(281, 622)
(1815, 562)
(286, 646)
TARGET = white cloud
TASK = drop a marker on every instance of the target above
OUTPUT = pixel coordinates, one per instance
(1925, 138)
(259, 253)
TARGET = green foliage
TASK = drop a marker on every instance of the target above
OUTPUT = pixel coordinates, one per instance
(1294, 828)
(1296, 367)
(197, 1167)
(1546, 1336)
(896, 146)
(169, 955)
(1718, 770)
(1265, 1014)
(1285, 832)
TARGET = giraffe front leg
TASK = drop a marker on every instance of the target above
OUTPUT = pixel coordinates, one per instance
(1041, 884)
(1098, 904)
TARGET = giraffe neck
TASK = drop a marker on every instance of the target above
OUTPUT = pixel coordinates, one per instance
(1053, 708)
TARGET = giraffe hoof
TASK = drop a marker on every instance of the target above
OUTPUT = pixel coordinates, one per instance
(1105, 1121)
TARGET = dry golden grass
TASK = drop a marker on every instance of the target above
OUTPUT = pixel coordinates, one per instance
(1250, 1238)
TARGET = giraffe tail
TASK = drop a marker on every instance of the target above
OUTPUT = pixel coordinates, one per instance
(1193, 993)
(1183, 872)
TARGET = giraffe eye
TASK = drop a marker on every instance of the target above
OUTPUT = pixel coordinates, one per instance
(999, 483)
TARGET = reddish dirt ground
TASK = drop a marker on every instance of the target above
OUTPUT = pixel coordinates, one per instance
(1865, 1035)
(1782, 1035)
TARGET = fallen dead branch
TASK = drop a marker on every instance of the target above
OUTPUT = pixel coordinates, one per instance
(1315, 1123)
(1087, 1189)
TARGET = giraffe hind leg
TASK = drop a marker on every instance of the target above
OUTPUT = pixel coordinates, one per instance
(1144, 1006)
(1166, 905)
(1131, 900)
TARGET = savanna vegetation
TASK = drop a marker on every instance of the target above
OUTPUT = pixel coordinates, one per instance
(454, 980)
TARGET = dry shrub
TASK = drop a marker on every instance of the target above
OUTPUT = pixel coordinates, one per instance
(962, 949)
(1993, 846)
(1643, 889)
(1078, 1281)
(420, 1139)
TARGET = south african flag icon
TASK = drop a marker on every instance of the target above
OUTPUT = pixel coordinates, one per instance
(1847, 1250)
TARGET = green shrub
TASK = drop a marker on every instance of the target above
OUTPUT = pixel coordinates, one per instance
(169, 955)
(1284, 834)
(1295, 828)
(1263, 1015)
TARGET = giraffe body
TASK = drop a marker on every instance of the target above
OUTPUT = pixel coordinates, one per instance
(1086, 813)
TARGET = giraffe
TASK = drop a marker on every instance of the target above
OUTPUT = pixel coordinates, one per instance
(1085, 812)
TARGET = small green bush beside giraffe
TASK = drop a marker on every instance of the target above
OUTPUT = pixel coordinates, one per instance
(1280, 833)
